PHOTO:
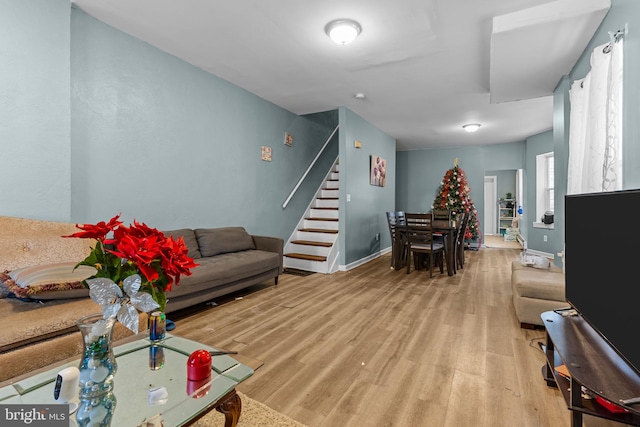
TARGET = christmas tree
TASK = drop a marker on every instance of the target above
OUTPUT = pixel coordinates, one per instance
(453, 195)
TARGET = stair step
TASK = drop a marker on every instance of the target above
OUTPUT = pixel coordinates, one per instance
(326, 208)
(312, 243)
(322, 219)
(307, 257)
(327, 198)
(318, 230)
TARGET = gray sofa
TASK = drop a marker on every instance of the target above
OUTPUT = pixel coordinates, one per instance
(536, 291)
(230, 259)
(42, 330)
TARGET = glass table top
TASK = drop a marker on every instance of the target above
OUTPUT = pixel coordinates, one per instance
(141, 370)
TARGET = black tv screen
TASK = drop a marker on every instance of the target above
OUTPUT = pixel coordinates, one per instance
(602, 265)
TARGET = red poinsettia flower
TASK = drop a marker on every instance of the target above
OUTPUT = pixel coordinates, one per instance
(140, 229)
(141, 251)
(175, 260)
(97, 231)
(137, 249)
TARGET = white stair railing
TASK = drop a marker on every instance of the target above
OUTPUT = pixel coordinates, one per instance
(293, 192)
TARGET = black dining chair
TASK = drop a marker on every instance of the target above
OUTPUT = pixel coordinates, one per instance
(420, 241)
(463, 220)
(441, 214)
(398, 243)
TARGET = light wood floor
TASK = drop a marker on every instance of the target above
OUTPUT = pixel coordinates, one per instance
(496, 241)
(378, 347)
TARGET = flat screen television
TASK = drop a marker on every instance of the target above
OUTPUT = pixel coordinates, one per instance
(602, 266)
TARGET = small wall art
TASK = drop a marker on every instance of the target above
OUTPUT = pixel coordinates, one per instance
(378, 171)
(288, 139)
(266, 153)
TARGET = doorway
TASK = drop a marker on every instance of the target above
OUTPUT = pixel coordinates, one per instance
(490, 204)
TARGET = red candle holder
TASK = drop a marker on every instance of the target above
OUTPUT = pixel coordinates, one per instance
(199, 365)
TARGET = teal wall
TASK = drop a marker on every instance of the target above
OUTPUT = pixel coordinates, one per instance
(622, 12)
(156, 138)
(96, 122)
(364, 216)
(505, 182)
(35, 109)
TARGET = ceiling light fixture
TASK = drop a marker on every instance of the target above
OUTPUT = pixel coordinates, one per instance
(343, 31)
(471, 127)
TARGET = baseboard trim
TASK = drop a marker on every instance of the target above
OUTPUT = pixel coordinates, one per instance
(364, 260)
(540, 253)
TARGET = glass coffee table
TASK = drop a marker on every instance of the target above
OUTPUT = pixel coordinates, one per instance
(144, 368)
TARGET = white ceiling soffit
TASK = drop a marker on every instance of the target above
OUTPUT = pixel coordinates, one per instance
(533, 48)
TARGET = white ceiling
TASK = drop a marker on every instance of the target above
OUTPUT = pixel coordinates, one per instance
(426, 67)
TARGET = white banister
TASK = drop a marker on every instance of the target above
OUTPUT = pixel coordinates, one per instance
(286, 202)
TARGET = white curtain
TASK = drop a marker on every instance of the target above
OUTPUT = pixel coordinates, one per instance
(595, 128)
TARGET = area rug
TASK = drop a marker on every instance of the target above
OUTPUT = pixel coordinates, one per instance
(254, 414)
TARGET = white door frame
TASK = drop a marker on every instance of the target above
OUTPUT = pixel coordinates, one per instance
(490, 204)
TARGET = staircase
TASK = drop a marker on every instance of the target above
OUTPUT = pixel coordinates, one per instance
(314, 244)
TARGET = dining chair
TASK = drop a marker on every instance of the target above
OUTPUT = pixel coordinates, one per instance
(459, 245)
(402, 241)
(444, 215)
(441, 214)
(420, 240)
(398, 244)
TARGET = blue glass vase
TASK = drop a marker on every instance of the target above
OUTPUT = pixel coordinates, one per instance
(96, 411)
(97, 368)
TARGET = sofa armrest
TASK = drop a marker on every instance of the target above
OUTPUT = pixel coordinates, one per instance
(270, 244)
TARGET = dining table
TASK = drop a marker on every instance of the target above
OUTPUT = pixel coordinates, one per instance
(446, 228)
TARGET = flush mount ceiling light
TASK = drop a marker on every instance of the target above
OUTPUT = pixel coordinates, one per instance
(343, 31)
(471, 127)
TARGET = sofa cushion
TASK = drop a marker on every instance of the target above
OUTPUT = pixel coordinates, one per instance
(27, 242)
(224, 269)
(214, 241)
(189, 237)
(51, 281)
(540, 284)
(33, 321)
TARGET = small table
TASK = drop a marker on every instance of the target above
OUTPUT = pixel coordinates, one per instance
(135, 377)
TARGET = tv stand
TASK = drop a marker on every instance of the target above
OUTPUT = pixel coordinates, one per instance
(593, 364)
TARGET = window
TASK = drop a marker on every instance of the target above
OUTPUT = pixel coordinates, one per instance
(544, 186)
(548, 182)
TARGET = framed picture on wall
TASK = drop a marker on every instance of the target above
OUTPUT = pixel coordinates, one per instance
(378, 175)
(288, 139)
(266, 153)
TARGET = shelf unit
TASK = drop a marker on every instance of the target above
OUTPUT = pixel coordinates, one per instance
(505, 215)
